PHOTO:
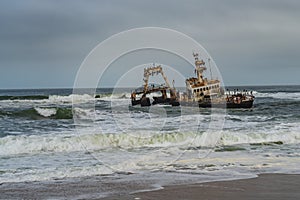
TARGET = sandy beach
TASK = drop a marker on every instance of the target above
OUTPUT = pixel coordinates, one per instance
(265, 186)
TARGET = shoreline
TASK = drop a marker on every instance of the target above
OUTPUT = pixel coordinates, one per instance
(264, 186)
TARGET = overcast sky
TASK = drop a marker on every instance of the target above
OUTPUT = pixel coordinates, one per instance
(43, 42)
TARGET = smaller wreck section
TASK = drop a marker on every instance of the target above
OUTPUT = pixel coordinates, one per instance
(161, 94)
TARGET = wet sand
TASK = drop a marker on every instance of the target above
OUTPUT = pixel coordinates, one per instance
(266, 186)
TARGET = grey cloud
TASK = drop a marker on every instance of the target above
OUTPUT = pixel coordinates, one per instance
(239, 34)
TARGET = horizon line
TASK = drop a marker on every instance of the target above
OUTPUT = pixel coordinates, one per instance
(107, 87)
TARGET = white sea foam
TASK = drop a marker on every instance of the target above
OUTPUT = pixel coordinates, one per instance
(73, 98)
(280, 95)
(34, 144)
(56, 173)
(46, 112)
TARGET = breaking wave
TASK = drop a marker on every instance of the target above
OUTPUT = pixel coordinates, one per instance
(234, 138)
(68, 143)
(75, 98)
(33, 97)
(72, 98)
(35, 144)
(41, 113)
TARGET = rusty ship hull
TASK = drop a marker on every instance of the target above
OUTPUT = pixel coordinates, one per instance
(200, 91)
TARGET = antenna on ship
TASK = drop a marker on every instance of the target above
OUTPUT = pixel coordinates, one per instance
(210, 68)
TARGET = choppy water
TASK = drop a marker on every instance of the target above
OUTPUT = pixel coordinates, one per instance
(40, 140)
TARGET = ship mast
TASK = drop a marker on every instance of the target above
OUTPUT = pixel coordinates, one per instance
(199, 67)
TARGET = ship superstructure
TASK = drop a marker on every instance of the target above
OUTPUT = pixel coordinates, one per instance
(199, 87)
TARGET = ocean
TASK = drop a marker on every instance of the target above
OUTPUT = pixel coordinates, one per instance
(50, 135)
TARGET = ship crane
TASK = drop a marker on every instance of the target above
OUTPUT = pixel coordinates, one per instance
(144, 100)
(154, 71)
